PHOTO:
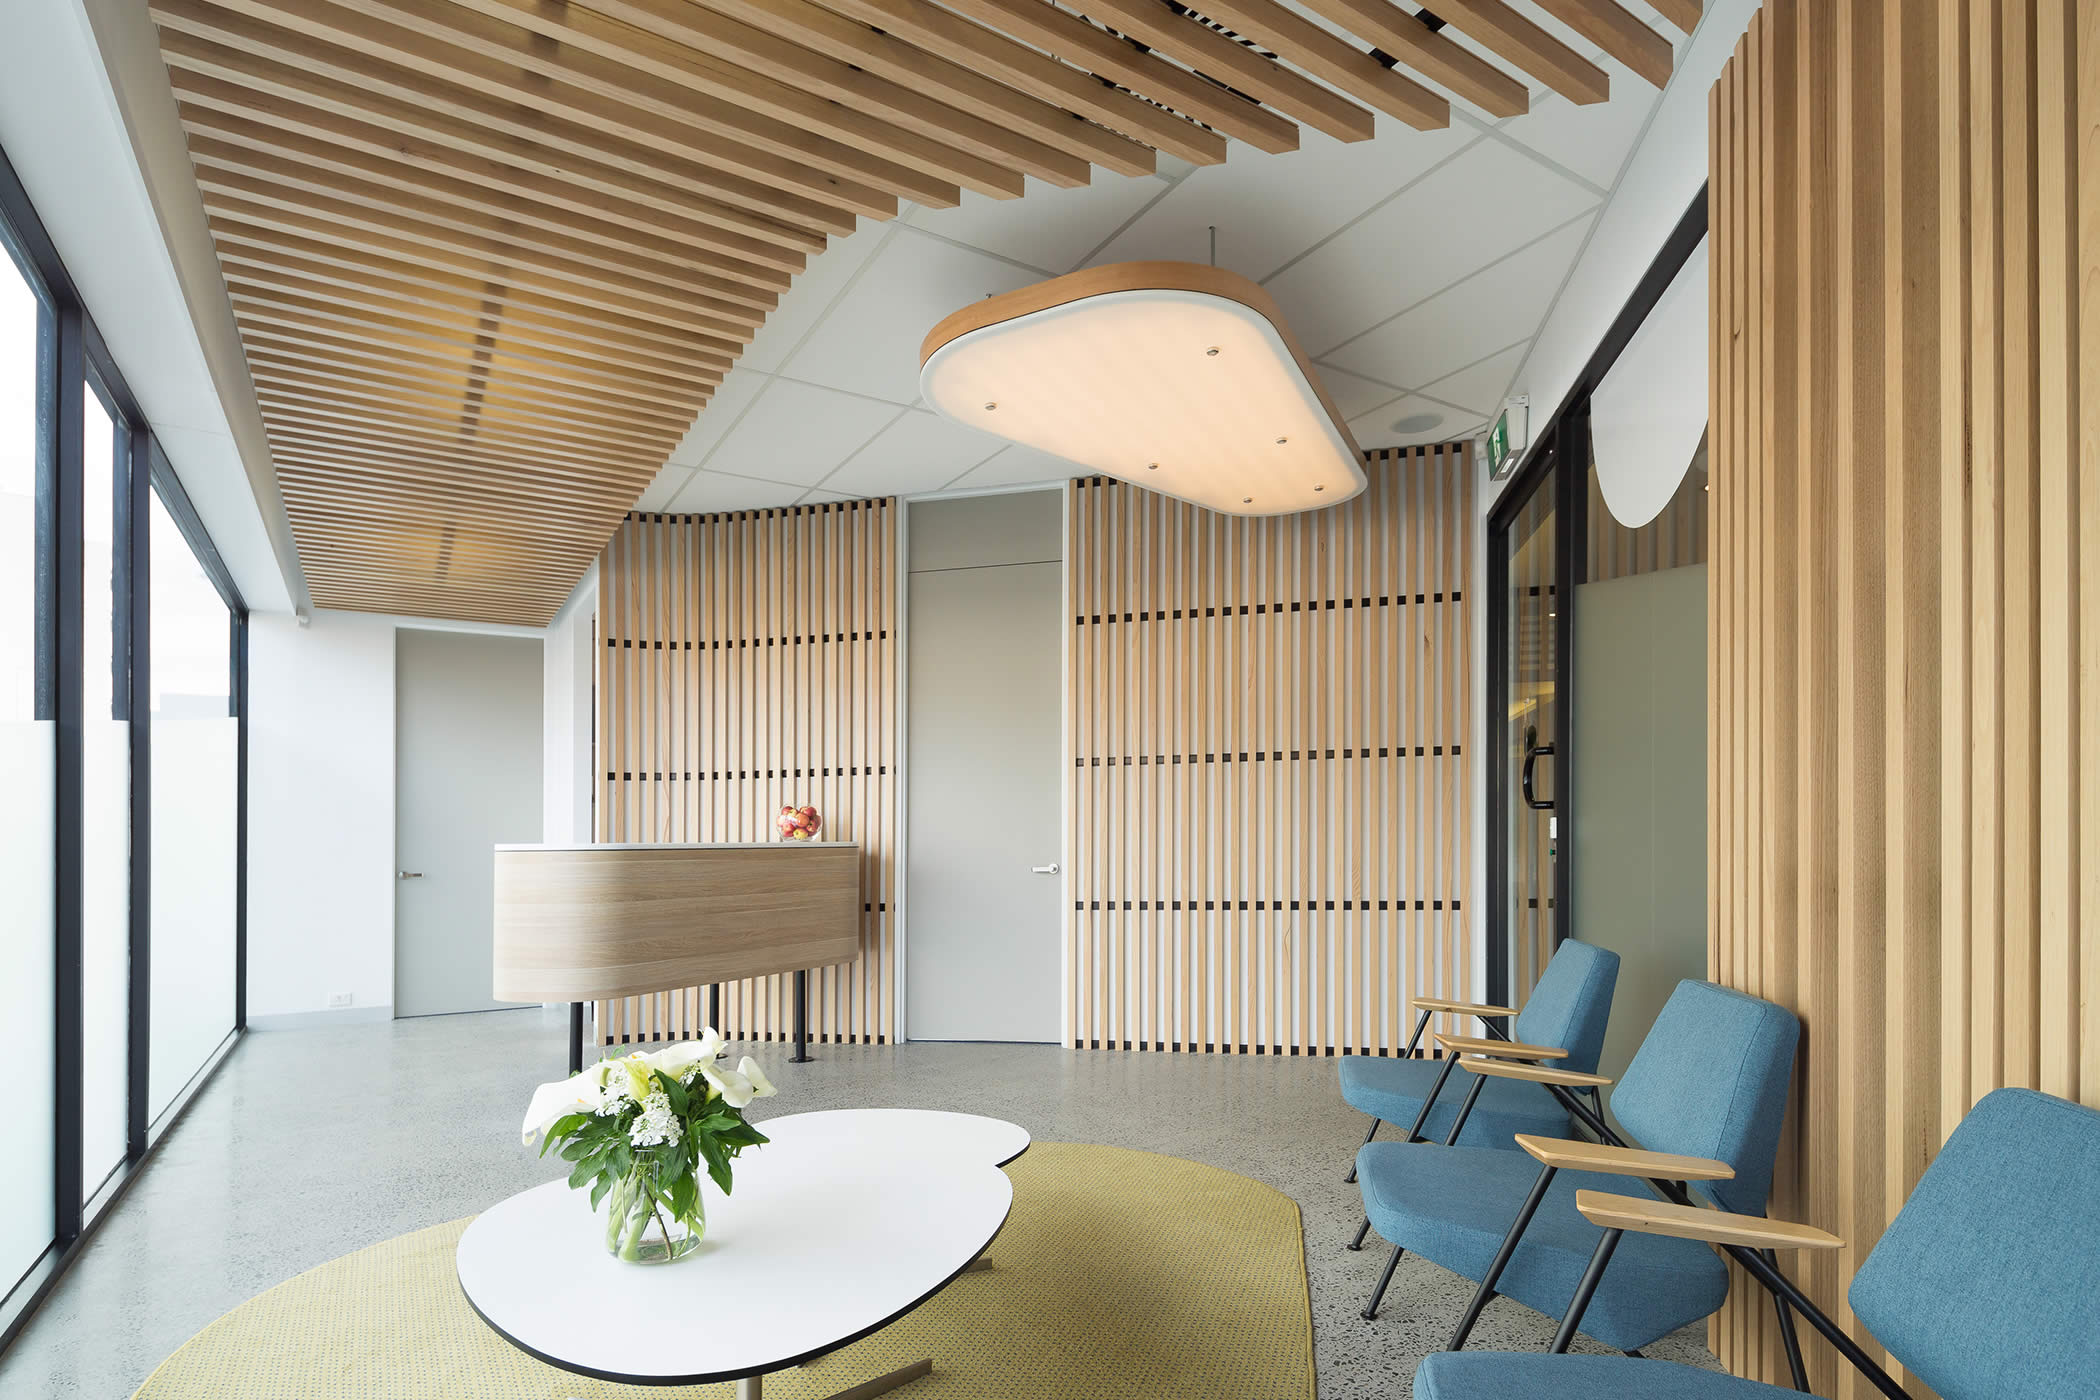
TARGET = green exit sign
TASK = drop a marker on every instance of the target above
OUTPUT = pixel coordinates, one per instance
(1498, 446)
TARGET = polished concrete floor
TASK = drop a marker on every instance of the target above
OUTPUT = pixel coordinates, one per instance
(312, 1143)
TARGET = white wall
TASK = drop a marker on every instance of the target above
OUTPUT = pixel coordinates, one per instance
(321, 798)
(1657, 185)
(320, 814)
(566, 761)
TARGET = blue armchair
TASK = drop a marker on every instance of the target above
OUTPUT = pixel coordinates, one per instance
(1983, 1286)
(1706, 1092)
(1567, 1011)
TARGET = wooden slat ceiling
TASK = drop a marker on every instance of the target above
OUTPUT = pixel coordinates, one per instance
(490, 257)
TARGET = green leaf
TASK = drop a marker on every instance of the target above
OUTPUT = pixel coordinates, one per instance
(598, 1189)
(717, 1163)
(582, 1172)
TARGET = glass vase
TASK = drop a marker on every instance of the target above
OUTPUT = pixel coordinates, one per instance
(640, 1229)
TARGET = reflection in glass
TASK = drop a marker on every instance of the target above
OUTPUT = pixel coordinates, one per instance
(28, 757)
(105, 812)
(194, 785)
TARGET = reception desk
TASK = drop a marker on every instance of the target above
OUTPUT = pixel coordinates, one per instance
(596, 923)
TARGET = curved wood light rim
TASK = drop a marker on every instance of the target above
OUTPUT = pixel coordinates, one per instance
(1135, 277)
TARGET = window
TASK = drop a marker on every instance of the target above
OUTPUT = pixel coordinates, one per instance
(195, 811)
(28, 759)
(116, 616)
(105, 804)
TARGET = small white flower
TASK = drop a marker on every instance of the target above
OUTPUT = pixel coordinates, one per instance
(657, 1125)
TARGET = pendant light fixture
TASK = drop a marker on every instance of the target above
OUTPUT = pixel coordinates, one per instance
(1173, 376)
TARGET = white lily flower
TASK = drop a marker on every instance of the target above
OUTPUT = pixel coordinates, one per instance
(674, 1060)
(735, 1089)
(760, 1085)
(550, 1102)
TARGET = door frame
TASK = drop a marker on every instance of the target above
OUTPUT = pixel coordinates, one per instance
(1564, 440)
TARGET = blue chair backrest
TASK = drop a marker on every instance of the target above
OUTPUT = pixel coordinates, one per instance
(1711, 1081)
(1987, 1284)
(1571, 1003)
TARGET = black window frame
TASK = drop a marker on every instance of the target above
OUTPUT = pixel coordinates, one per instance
(74, 361)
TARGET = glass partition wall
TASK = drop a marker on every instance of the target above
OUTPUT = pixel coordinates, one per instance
(1596, 647)
(122, 641)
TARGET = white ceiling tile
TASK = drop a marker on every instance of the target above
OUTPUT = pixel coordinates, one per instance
(1592, 141)
(1480, 387)
(709, 492)
(1501, 303)
(1352, 394)
(919, 452)
(1017, 466)
(1464, 215)
(669, 482)
(869, 343)
(718, 415)
(798, 432)
(1048, 227)
(1426, 422)
(803, 305)
(1270, 208)
(814, 497)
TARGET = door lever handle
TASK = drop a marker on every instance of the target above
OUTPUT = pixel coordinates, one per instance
(409, 874)
(1050, 869)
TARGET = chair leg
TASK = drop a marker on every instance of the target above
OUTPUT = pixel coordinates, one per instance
(1586, 1290)
(1795, 1365)
(1367, 1142)
(1361, 1231)
(1370, 1311)
(1486, 1292)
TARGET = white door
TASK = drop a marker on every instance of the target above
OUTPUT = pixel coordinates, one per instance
(985, 699)
(467, 748)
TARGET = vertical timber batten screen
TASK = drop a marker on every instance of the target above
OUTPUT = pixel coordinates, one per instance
(1271, 804)
(1904, 697)
(748, 661)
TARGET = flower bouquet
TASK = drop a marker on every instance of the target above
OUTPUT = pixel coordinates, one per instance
(637, 1131)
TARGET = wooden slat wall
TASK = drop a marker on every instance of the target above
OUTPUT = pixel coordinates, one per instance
(748, 661)
(1905, 611)
(1271, 803)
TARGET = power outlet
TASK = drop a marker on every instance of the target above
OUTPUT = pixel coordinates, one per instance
(338, 1001)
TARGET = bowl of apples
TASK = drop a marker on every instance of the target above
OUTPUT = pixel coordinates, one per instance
(798, 823)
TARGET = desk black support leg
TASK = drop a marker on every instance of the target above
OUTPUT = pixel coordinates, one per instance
(575, 1037)
(801, 1018)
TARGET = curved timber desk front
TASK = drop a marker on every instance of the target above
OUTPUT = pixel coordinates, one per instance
(580, 923)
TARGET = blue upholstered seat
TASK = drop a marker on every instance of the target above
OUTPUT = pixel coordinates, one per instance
(1454, 1205)
(1710, 1080)
(1983, 1286)
(1568, 1009)
(1392, 1090)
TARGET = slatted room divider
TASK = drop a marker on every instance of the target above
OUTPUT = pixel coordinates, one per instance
(1271, 800)
(1904, 682)
(748, 661)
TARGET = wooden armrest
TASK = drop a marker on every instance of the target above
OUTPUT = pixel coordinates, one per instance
(1500, 1049)
(1463, 1008)
(1537, 1074)
(1577, 1155)
(1651, 1217)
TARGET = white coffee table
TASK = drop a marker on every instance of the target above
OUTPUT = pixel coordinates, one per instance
(839, 1226)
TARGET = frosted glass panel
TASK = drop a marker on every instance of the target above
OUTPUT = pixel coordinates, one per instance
(194, 811)
(105, 835)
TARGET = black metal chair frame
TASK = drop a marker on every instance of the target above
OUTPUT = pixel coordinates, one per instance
(1760, 1265)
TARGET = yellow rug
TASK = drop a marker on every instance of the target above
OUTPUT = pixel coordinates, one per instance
(1118, 1274)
